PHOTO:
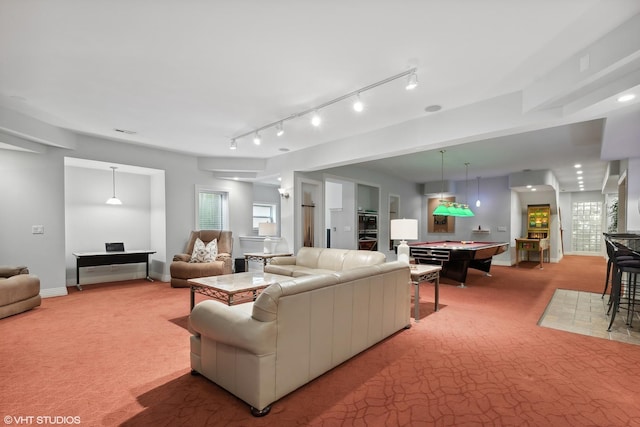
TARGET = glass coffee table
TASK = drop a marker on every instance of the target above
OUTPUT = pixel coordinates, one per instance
(233, 289)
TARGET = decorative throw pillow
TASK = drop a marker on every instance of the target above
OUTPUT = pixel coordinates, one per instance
(204, 253)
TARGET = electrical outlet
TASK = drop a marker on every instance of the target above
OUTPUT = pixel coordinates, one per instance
(502, 228)
(37, 229)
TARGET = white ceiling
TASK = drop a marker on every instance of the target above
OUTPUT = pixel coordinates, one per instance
(190, 75)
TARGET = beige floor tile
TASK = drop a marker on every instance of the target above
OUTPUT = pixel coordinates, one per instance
(586, 313)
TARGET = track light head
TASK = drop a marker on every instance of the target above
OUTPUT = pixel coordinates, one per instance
(316, 119)
(358, 105)
(233, 145)
(412, 81)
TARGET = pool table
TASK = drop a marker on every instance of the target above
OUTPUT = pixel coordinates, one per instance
(458, 256)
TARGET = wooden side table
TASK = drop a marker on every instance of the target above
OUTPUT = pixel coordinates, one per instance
(425, 273)
(532, 245)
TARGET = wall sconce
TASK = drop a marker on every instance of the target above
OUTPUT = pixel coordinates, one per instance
(283, 193)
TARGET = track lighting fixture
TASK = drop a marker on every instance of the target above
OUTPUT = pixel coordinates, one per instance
(358, 105)
(233, 145)
(412, 82)
(316, 119)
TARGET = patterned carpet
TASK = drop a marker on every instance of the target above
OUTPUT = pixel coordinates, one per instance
(586, 313)
(118, 355)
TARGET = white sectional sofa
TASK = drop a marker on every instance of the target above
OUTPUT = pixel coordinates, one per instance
(322, 260)
(297, 330)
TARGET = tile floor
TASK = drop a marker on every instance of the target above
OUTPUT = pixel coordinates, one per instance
(586, 313)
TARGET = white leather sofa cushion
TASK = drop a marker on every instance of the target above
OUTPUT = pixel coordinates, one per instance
(298, 329)
(322, 261)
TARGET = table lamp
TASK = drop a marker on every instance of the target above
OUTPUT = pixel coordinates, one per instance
(403, 230)
(267, 229)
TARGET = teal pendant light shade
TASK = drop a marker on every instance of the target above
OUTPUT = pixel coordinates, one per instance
(457, 210)
(467, 211)
(442, 209)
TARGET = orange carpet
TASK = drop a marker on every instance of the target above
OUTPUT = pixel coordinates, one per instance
(118, 354)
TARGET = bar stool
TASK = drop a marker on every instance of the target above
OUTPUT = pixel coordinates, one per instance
(621, 253)
(630, 264)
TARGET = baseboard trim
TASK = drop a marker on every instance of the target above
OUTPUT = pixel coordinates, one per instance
(53, 292)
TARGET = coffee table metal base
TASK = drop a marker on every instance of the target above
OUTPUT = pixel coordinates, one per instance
(233, 289)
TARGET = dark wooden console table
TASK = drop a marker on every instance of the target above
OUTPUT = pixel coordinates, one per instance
(93, 259)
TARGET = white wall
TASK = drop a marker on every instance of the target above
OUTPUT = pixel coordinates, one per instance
(90, 223)
(32, 188)
(516, 223)
(633, 195)
(409, 192)
(493, 215)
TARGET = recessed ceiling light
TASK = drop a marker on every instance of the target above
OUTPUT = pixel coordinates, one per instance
(529, 186)
(433, 108)
(577, 165)
(533, 189)
(358, 105)
(579, 172)
(626, 98)
(315, 119)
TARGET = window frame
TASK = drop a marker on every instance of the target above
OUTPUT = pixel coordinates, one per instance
(225, 204)
(272, 218)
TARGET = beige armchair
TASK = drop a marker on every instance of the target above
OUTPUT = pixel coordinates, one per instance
(19, 290)
(182, 270)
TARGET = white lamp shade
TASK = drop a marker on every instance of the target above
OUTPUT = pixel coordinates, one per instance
(404, 229)
(267, 229)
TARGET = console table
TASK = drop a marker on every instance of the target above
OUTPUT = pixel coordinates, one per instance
(261, 257)
(93, 259)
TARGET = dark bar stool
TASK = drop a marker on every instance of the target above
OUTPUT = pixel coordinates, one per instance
(628, 263)
(614, 249)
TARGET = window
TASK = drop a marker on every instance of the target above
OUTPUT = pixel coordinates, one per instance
(263, 212)
(586, 226)
(212, 209)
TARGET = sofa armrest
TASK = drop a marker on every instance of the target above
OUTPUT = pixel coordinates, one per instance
(182, 257)
(233, 326)
(9, 271)
(222, 256)
(283, 260)
(227, 261)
